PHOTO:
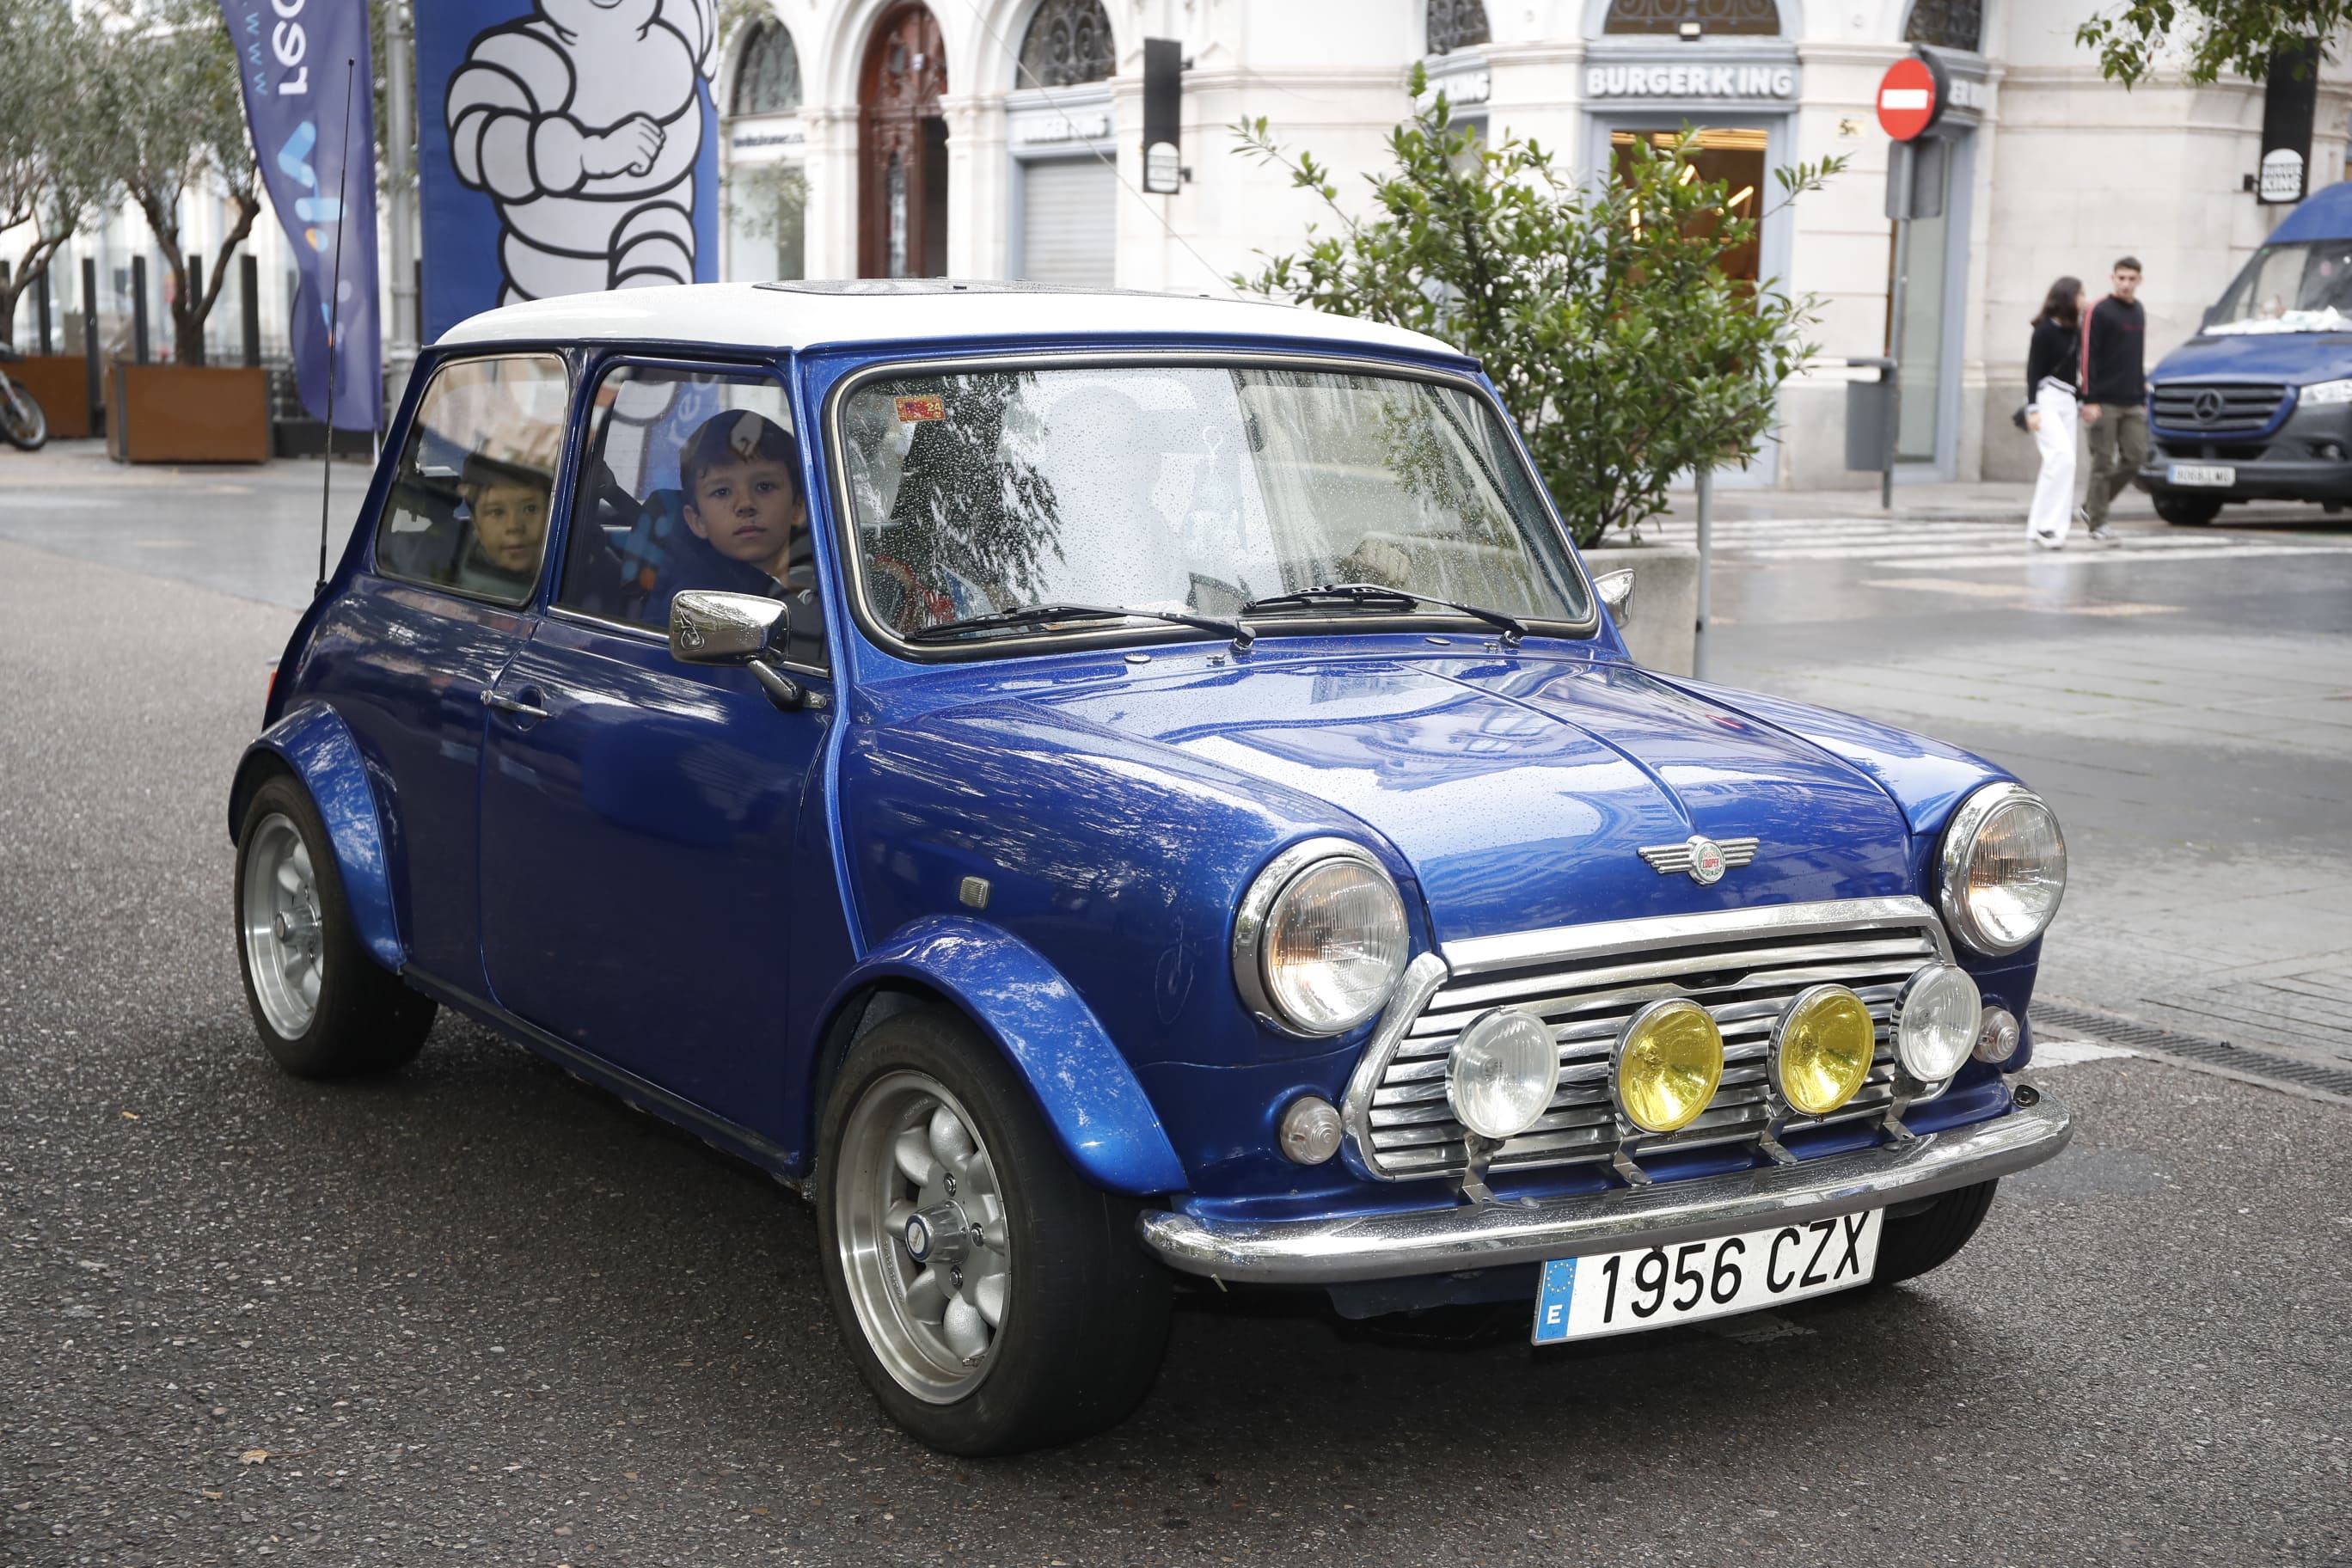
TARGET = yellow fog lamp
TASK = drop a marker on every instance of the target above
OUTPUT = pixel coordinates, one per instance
(1668, 1064)
(1821, 1049)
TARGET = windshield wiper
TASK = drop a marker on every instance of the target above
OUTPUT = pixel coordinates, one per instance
(1379, 594)
(1034, 615)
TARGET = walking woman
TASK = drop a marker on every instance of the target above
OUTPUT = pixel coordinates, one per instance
(2054, 369)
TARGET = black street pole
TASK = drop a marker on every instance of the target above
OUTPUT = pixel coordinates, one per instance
(90, 343)
(248, 276)
(41, 311)
(139, 309)
(196, 297)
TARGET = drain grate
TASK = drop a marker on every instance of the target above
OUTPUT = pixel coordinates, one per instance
(2121, 1031)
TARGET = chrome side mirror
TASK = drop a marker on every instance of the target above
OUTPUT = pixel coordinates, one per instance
(734, 628)
(1616, 591)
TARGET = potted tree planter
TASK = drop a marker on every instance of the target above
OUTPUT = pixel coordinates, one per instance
(188, 413)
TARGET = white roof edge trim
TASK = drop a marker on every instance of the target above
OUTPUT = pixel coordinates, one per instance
(745, 316)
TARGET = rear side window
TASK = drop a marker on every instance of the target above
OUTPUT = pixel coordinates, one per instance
(470, 504)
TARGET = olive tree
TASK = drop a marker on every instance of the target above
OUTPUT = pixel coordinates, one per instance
(52, 163)
(175, 128)
(1599, 306)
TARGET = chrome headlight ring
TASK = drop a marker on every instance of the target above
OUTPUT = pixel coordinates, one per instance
(1280, 1000)
(1964, 837)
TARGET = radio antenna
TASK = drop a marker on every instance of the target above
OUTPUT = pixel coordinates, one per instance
(334, 304)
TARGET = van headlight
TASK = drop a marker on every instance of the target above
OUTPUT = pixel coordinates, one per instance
(2320, 394)
(2004, 870)
(1321, 940)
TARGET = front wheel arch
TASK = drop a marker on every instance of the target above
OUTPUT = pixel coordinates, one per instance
(1016, 1000)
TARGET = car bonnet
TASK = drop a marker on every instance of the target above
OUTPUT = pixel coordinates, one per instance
(1523, 787)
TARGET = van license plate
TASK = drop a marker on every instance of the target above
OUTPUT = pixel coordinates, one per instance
(1620, 1292)
(2213, 474)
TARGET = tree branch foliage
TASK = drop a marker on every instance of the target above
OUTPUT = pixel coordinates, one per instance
(1600, 309)
(176, 124)
(52, 166)
(2219, 36)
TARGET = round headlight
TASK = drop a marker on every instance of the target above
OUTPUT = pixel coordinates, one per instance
(2004, 866)
(1321, 940)
(1500, 1076)
(1938, 1017)
(1668, 1064)
(1821, 1049)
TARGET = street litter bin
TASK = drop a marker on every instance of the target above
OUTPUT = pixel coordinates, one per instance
(1869, 416)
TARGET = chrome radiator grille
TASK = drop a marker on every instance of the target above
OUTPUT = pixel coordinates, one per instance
(1744, 966)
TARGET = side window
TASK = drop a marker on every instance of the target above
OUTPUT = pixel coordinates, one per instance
(469, 502)
(690, 479)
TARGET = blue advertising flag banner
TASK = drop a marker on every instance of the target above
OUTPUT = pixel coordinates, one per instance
(564, 146)
(297, 90)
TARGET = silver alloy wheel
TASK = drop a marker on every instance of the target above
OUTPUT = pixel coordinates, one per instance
(921, 1220)
(283, 934)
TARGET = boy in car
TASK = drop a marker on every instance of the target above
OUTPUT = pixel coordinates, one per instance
(507, 503)
(739, 478)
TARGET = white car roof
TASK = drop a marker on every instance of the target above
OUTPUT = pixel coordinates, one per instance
(803, 315)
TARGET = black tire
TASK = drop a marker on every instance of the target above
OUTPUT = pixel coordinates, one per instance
(1087, 1311)
(365, 1020)
(1915, 1244)
(22, 419)
(2187, 511)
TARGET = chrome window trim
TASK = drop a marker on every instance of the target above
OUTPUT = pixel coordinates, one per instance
(1249, 925)
(1472, 956)
(846, 525)
(1960, 844)
(1484, 954)
(554, 480)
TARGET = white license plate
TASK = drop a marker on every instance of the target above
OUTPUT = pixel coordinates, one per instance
(1619, 1293)
(2200, 474)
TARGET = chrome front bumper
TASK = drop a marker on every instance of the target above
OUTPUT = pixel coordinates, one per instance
(1487, 1235)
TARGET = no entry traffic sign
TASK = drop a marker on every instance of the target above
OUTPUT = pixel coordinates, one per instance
(1911, 96)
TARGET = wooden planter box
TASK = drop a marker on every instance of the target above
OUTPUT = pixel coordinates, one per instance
(188, 413)
(61, 383)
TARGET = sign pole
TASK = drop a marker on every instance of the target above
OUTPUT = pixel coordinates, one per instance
(1704, 480)
(1908, 172)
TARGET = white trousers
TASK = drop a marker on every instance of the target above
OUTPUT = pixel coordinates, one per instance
(2054, 492)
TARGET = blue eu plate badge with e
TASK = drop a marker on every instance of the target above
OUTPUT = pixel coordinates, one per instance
(1552, 1297)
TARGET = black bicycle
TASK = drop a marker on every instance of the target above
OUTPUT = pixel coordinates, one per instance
(21, 419)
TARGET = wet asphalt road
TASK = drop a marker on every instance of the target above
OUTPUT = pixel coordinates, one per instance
(480, 1314)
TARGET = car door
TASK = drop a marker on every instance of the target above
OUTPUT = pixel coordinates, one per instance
(410, 653)
(645, 851)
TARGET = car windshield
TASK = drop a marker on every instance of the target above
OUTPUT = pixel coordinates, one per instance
(2299, 287)
(1187, 489)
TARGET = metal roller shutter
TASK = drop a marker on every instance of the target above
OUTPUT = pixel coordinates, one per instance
(1069, 209)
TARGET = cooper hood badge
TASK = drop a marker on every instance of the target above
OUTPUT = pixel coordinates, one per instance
(1706, 859)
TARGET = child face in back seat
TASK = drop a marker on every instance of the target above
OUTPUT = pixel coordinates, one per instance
(510, 523)
(742, 477)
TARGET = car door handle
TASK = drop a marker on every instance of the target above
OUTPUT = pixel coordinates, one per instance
(519, 705)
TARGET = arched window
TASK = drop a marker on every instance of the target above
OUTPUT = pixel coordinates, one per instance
(1947, 24)
(1068, 42)
(1457, 24)
(767, 78)
(1715, 18)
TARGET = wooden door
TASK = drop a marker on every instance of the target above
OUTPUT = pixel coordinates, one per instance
(902, 181)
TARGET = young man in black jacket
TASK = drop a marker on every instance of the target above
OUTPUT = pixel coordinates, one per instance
(2114, 393)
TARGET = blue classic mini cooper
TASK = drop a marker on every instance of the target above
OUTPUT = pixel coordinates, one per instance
(1096, 789)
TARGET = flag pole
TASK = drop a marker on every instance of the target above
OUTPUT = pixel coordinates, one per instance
(334, 304)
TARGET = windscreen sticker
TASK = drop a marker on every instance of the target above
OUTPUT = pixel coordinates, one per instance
(928, 406)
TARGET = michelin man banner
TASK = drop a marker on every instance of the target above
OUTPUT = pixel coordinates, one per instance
(564, 146)
(291, 57)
